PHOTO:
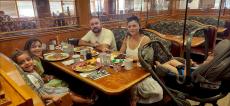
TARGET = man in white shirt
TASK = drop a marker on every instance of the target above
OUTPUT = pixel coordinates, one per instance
(98, 37)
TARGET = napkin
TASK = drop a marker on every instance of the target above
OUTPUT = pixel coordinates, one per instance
(68, 62)
(85, 74)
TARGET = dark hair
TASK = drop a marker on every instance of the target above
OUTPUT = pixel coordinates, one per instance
(135, 18)
(16, 54)
(29, 43)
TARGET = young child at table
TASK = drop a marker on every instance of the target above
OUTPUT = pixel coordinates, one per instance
(23, 59)
(34, 48)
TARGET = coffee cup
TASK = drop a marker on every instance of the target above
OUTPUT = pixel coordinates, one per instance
(51, 47)
(76, 58)
(128, 62)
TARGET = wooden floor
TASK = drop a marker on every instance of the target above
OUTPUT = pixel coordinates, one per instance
(222, 102)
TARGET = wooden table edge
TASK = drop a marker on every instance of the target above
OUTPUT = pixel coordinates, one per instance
(106, 91)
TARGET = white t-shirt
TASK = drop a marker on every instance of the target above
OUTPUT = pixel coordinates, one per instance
(106, 37)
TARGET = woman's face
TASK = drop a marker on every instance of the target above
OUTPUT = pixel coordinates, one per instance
(25, 62)
(133, 27)
(36, 49)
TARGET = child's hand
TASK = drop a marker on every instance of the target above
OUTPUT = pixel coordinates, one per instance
(47, 78)
(50, 77)
(56, 99)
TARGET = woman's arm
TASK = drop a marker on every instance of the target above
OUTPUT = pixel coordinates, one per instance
(123, 47)
(85, 43)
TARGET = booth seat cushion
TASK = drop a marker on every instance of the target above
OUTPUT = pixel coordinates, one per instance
(173, 27)
(214, 21)
(207, 20)
(119, 34)
(170, 46)
(167, 44)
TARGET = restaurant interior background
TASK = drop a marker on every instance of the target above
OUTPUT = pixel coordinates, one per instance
(40, 18)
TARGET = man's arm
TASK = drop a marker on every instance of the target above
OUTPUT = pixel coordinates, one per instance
(85, 40)
(103, 47)
(106, 44)
(85, 43)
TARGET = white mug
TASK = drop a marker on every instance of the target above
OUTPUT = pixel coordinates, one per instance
(76, 57)
(51, 47)
(128, 62)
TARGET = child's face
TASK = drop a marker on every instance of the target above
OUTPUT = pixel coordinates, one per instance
(25, 62)
(36, 49)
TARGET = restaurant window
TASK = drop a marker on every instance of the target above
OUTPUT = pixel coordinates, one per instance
(62, 6)
(161, 4)
(69, 7)
(227, 4)
(17, 8)
(138, 5)
(96, 7)
(55, 7)
(120, 6)
(25, 8)
(192, 4)
(217, 4)
(9, 7)
(207, 4)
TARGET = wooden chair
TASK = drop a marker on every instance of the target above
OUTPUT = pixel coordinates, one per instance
(210, 32)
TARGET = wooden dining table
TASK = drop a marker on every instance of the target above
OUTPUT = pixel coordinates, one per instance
(115, 83)
(221, 29)
(196, 41)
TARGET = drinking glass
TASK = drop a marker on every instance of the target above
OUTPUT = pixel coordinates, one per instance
(117, 66)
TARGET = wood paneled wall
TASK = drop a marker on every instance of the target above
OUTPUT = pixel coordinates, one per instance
(10, 44)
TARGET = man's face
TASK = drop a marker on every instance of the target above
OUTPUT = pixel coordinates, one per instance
(95, 25)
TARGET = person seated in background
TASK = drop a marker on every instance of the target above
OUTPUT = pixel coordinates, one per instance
(147, 91)
(100, 38)
(34, 48)
(47, 93)
(6, 23)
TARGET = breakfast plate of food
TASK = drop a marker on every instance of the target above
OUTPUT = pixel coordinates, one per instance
(86, 66)
(94, 53)
(78, 49)
(56, 56)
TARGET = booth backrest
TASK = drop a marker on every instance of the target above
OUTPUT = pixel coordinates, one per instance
(16, 86)
(207, 20)
(119, 34)
(173, 27)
